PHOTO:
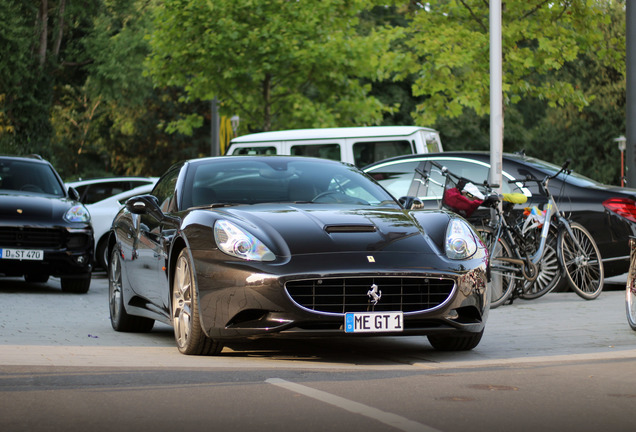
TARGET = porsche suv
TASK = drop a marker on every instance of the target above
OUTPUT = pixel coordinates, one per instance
(44, 230)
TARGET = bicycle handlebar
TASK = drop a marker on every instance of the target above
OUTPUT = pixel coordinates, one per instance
(445, 171)
(546, 178)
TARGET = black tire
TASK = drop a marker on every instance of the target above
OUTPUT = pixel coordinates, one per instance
(549, 272)
(36, 277)
(120, 320)
(455, 342)
(502, 281)
(582, 266)
(630, 294)
(101, 253)
(630, 304)
(76, 285)
(188, 332)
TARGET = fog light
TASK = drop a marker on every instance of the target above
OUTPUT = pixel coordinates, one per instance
(81, 260)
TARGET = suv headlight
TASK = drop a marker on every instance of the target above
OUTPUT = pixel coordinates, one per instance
(238, 243)
(77, 213)
(460, 241)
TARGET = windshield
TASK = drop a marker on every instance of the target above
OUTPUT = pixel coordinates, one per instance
(24, 177)
(243, 180)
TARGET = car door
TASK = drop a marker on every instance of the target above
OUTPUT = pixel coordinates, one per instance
(153, 236)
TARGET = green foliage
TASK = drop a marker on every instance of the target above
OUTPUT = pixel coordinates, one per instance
(448, 44)
(275, 63)
(124, 86)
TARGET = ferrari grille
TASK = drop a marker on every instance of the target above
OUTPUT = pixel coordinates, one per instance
(355, 294)
(31, 237)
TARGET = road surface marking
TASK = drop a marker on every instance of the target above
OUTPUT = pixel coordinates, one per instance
(387, 418)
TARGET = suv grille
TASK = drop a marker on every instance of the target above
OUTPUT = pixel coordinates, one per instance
(32, 237)
(340, 295)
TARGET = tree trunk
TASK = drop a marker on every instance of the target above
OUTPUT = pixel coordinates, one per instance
(42, 24)
(60, 28)
(267, 115)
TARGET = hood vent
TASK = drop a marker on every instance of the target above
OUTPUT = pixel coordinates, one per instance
(350, 228)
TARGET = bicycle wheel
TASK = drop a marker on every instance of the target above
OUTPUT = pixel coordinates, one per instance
(582, 264)
(549, 272)
(630, 294)
(502, 281)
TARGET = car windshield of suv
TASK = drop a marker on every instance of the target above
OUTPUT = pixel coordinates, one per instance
(24, 177)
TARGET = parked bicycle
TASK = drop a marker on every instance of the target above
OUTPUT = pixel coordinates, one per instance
(528, 258)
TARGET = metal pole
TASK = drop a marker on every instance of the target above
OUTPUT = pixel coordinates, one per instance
(214, 128)
(496, 97)
(630, 108)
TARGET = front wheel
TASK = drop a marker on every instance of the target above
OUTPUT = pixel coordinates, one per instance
(581, 261)
(188, 331)
(120, 320)
(502, 277)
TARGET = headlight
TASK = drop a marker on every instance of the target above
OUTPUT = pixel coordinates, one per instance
(235, 242)
(77, 213)
(460, 242)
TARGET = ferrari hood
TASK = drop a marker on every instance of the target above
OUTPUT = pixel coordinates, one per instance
(322, 229)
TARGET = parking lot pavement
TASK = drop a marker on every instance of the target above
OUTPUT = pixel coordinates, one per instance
(40, 325)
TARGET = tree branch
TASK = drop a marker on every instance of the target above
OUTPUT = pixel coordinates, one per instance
(536, 8)
(475, 17)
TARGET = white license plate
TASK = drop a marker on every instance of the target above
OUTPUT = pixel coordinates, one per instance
(373, 322)
(22, 254)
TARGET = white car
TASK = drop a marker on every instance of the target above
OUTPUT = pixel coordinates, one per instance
(97, 189)
(102, 214)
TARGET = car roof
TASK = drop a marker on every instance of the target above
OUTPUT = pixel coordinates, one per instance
(262, 158)
(98, 180)
(333, 133)
(31, 158)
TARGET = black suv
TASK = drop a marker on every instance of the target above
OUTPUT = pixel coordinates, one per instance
(44, 230)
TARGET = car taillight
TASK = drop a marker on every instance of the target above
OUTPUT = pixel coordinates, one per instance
(622, 206)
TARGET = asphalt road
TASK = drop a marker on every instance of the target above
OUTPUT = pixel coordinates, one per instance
(553, 364)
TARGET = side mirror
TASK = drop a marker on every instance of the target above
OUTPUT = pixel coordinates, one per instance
(144, 204)
(411, 203)
(73, 193)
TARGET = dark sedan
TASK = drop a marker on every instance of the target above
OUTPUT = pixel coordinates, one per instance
(44, 229)
(240, 247)
(608, 212)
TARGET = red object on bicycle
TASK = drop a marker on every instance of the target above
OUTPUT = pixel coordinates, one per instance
(460, 204)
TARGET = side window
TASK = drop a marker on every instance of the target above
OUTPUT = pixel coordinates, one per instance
(165, 190)
(395, 178)
(137, 183)
(99, 191)
(470, 170)
(324, 151)
(257, 150)
(365, 153)
(432, 142)
(475, 171)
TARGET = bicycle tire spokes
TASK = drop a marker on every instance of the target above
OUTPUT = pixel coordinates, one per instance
(581, 261)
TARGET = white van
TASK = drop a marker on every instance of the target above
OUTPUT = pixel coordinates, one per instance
(360, 146)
